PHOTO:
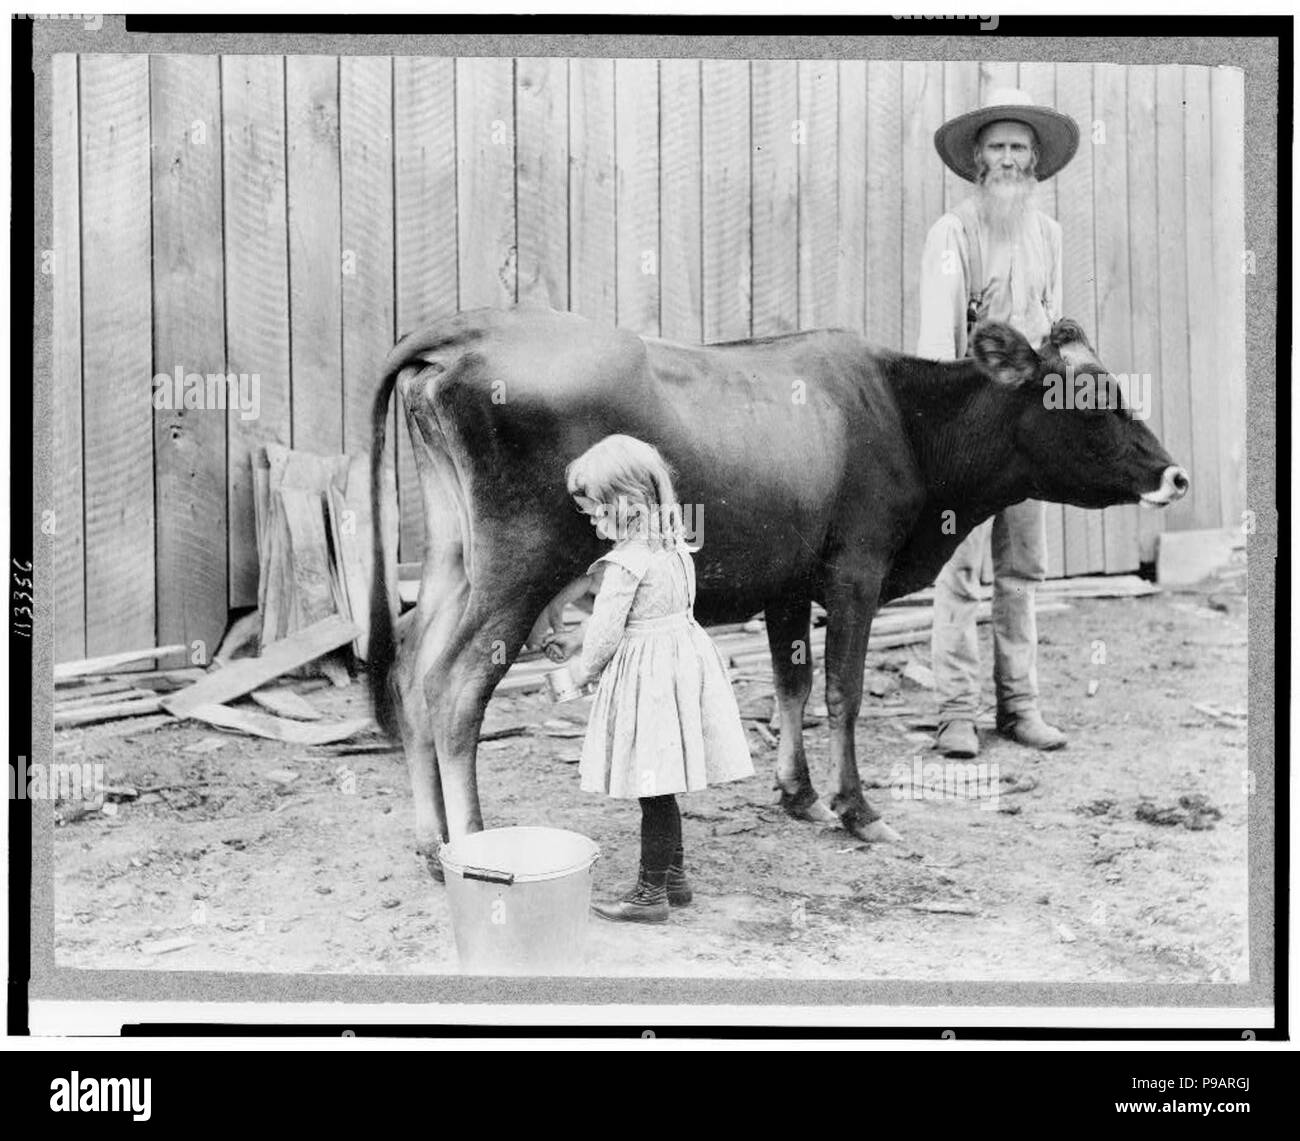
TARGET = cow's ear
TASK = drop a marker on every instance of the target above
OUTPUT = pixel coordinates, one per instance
(1004, 354)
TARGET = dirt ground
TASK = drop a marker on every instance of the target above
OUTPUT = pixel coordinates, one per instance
(1056, 879)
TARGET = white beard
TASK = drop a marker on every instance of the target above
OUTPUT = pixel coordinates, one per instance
(1005, 203)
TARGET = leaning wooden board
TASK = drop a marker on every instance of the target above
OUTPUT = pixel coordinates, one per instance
(308, 555)
(246, 674)
(350, 525)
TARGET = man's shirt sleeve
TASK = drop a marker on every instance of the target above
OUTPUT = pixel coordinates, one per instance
(943, 292)
(1055, 294)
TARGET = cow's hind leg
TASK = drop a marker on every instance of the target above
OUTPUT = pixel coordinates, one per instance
(787, 638)
(459, 686)
(444, 592)
(444, 595)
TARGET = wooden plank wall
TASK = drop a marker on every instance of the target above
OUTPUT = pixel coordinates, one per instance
(1039, 81)
(257, 263)
(117, 354)
(69, 478)
(424, 155)
(290, 216)
(189, 332)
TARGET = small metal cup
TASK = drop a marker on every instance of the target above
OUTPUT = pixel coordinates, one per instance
(562, 686)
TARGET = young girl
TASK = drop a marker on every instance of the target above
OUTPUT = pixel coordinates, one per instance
(664, 719)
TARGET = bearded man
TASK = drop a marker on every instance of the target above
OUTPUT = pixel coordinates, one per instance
(996, 257)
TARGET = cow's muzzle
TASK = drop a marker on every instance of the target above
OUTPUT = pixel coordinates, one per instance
(1174, 483)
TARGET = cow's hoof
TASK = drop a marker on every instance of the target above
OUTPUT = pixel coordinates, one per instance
(858, 819)
(432, 862)
(818, 813)
(877, 832)
(804, 805)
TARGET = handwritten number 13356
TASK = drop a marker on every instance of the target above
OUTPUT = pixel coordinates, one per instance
(19, 594)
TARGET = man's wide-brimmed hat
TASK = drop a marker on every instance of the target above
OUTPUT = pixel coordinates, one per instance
(1058, 134)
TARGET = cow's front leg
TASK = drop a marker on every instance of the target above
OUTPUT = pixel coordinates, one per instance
(787, 638)
(850, 606)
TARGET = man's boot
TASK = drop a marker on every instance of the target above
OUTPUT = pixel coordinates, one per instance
(957, 738)
(1028, 728)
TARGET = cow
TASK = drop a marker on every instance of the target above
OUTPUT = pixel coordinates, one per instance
(821, 468)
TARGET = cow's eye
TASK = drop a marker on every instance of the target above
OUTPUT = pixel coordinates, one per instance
(1105, 438)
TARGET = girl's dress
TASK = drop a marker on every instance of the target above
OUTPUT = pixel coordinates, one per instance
(664, 719)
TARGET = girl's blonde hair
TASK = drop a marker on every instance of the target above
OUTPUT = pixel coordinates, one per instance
(623, 468)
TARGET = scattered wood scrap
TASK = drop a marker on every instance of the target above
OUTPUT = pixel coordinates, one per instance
(314, 525)
(946, 907)
(1098, 586)
(129, 726)
(313, 595)
(244, 675)
(335, 671)
(162, 680)
(504, 731)
(1054, 589)
(278, 728)
(283, 702)
(93, 699)
(72, 694)
(65, 671)
(1229, 718)
(81, 692)
(121, 691)
(888, 631)
(361, 749)
(919, 675)
(568, 731)
(351, 526)
(93, 714)
(166, 946)
(813, 715)
(243, 631)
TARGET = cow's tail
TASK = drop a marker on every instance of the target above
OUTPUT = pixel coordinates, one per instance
(383, 641)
